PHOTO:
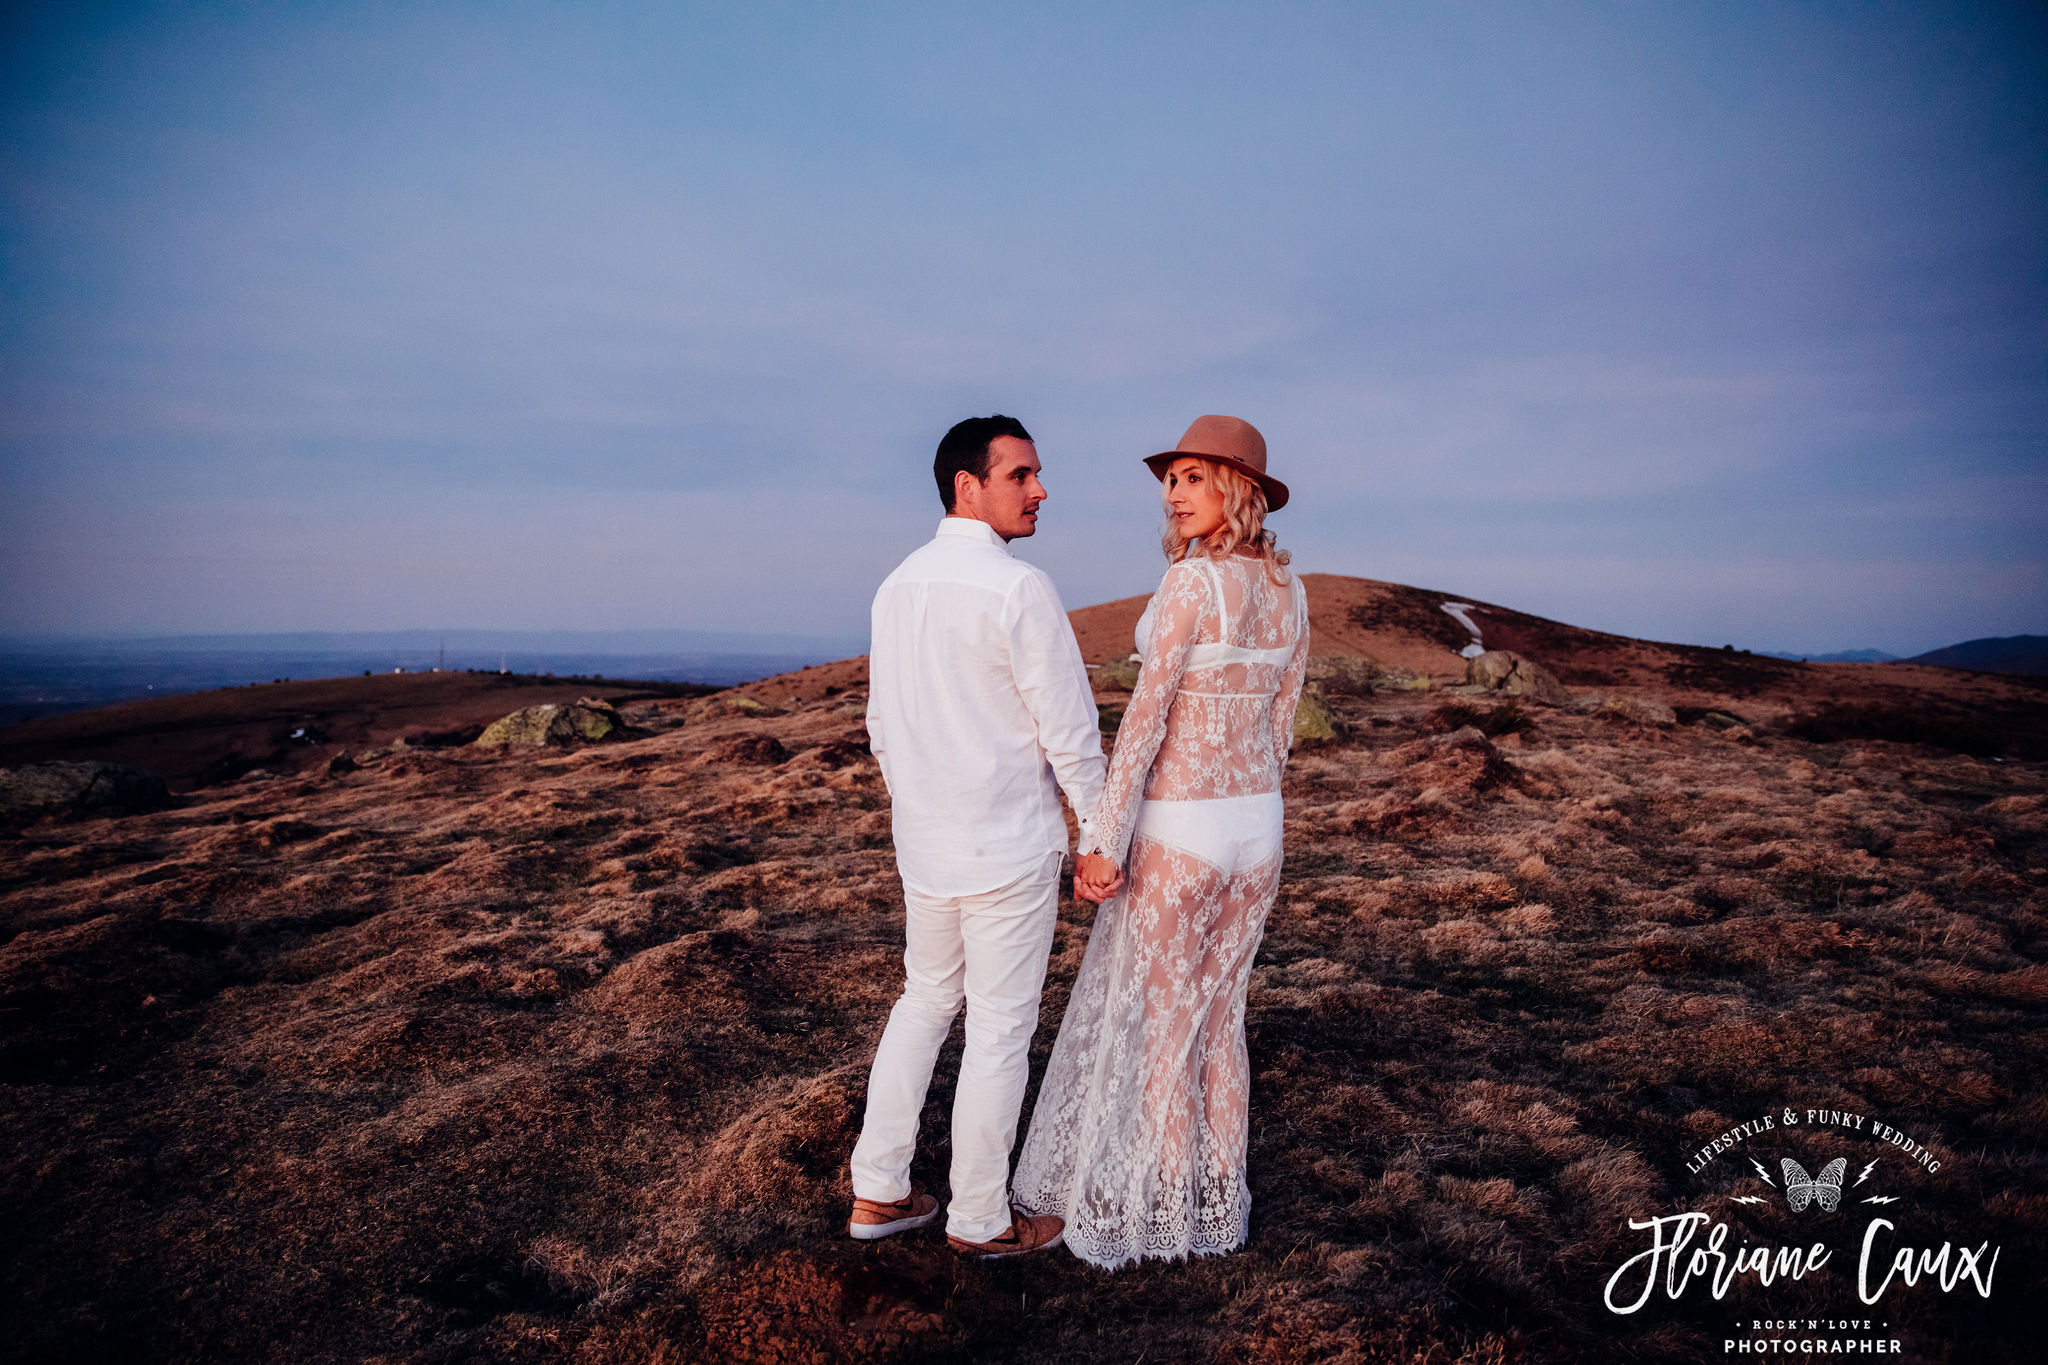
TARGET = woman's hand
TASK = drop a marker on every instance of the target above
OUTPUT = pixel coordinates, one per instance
(1096, 878)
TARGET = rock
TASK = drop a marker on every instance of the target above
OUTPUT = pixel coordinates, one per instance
(1491, 669)
(595, 719)
(531, 725)
(1314, 721)
(1538, 684)
(753, 751)
(79, 789)
(343, 762)
(1118, 675)
(1498, 670)
(1722, 720)
(723, 704)
(583, 721)
(838, 754)
(1637, 711)
(1345, 675)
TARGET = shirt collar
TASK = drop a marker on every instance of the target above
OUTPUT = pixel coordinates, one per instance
(971, 529)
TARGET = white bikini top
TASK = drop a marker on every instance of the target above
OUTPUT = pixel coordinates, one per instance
(1210, 655)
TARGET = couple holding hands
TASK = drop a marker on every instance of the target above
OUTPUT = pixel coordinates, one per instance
(980, 712)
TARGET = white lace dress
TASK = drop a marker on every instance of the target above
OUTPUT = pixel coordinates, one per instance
(1138, 1138)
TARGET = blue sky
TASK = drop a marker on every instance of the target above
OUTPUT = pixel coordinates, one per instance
(1715, 323)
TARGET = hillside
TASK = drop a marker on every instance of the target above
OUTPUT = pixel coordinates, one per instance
(1996, 654)
(201, 738)
(558, 1055)
(1407, 628)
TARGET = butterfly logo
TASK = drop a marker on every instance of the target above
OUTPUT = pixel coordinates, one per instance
(1824, 1189)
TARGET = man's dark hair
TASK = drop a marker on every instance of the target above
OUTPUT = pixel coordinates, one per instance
(966, 447)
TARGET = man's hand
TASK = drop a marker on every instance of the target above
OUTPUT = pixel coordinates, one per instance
(1096, 878)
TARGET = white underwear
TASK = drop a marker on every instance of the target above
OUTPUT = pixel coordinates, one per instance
(1231, 833)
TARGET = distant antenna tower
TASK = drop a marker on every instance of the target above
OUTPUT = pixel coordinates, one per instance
(441, 654)
(501, 662)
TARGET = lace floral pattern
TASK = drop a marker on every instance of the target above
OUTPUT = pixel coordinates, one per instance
(1225, 649)
(1139, 1134)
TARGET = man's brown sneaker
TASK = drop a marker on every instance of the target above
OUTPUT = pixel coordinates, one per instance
(1028, 1232)
(873, 1220)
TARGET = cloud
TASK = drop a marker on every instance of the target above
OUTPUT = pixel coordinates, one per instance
(1610, 287)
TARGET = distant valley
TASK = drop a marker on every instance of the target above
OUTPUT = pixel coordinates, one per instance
(52, 675)
(1992, 654)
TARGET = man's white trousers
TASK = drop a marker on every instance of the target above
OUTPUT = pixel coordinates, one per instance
(990, 950)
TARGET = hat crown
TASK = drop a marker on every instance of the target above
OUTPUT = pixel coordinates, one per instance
(1225, 438)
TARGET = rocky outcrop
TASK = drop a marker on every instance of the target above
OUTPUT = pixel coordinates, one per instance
(584, 721)
(1637, 711)
(79, 789)
(1314, 721)
(1347, 675)
(749, 751)
(722, 705)
(1498, 670)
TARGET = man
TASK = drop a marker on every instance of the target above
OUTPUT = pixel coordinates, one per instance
(979, 711)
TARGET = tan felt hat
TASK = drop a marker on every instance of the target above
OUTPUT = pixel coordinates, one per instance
(1226, 440)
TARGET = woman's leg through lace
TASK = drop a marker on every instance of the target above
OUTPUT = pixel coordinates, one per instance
(1199, 927)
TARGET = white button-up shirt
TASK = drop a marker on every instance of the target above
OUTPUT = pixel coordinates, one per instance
(979, 711)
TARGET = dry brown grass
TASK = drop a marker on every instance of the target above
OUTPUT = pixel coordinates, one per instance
(559, 1057)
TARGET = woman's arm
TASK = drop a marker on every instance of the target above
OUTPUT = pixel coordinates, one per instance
(1177, 614)
(1289, 696)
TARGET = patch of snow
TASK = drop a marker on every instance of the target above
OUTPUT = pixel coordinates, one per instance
(1458, 612)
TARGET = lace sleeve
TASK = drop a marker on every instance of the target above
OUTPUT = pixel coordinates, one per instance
(1180, 605)
(1289, 695)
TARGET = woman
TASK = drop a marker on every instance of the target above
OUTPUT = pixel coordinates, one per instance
(1138, 1139)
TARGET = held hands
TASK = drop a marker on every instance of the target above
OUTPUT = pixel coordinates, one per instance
(1096, 878)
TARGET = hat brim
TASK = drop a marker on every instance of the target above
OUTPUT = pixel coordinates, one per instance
(1276, 491)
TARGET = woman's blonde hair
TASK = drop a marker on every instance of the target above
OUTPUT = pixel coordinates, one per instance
(1244, 525)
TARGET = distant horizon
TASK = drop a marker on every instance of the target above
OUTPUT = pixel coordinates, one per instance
(632, 640)
(51, 675)
(652, 641)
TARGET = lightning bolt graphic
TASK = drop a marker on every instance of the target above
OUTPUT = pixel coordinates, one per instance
(1866, 1174)
(1752, 1199)
(1882, 1199)
(1764, 1173)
